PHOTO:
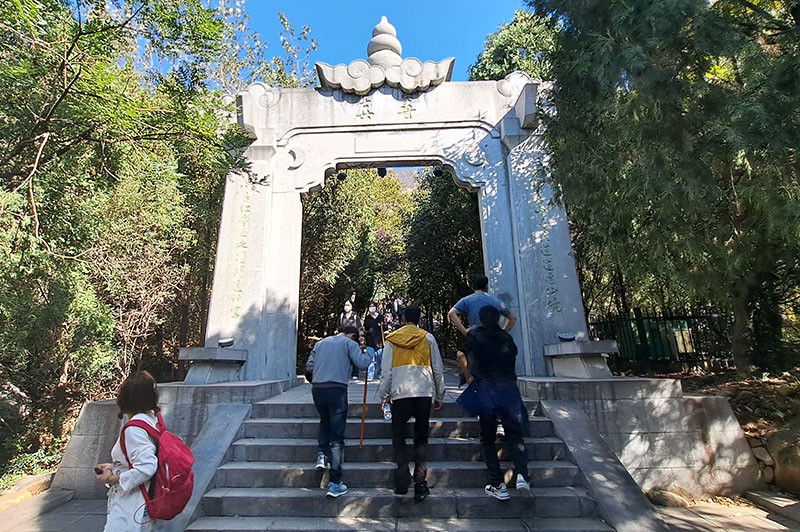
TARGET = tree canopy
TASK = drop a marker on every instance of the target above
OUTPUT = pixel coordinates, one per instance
(444, 244)
(674, 144)
(113, 156)
(523, 44)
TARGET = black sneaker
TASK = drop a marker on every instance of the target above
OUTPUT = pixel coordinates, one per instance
(401, 491)
(498, 492)
(421, 491)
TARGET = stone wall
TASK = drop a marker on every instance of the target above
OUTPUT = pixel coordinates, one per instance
(666, 440)
(185, 409)
(778, 457)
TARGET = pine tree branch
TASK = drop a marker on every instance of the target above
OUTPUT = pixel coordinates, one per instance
(778, 24)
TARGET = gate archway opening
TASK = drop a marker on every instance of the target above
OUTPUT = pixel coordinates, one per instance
(410, 232)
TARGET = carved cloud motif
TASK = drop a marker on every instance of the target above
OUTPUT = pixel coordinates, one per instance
(358, 78)
(412, 75)
(385, 66)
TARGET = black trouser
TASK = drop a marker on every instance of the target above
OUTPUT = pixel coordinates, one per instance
(402, 410)
(503, 401)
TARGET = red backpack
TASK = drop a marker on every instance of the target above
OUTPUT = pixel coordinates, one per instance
(171, 487)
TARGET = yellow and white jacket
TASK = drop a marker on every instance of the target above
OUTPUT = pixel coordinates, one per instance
(412, 365)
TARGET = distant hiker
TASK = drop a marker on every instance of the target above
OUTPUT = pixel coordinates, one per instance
(373, 335)
(388, 319)
(470, 305)
(137, 398)
(397, 307)
(329, 363)
(349, 318)
(493, 357)
(412, 379)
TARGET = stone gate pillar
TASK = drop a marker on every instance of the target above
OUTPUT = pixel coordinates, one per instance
(255, 295)
(548, 283)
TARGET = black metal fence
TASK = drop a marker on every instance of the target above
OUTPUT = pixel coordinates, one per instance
(687, 337)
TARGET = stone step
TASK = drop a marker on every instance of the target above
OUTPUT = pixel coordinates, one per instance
(339, 524)
(544, 473)
(380, 450)
(273, 409)
(383, 503)
(440, 427)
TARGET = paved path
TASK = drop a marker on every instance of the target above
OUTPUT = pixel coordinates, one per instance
(89, 515)
(707, 517)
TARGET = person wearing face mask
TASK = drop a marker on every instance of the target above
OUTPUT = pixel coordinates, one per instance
(373, 335)
(349, 318)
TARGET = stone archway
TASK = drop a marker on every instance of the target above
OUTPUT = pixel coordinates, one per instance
(382, 112)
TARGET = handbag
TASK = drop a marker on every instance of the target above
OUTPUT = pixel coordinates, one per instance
(472, 400)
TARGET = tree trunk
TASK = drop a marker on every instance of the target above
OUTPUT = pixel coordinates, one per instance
(183, 324)
(740, 337)
(622, 292)
(767, 345)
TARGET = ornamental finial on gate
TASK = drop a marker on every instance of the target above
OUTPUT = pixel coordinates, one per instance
(385, 66)
(384, 50)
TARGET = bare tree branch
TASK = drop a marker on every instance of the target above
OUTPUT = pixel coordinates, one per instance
(29, 180)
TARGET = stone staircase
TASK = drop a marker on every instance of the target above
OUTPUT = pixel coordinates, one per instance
(270, 482)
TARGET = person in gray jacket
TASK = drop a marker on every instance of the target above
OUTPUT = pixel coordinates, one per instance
(413, 378)
(329, 364)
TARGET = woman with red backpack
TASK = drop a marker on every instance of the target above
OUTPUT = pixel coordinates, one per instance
(138, 400)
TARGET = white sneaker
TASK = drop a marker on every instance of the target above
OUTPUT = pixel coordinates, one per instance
(322, 462)
(499, 492)
(522, 484)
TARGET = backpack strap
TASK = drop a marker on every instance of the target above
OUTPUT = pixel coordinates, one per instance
(160, 422)
(153, 433)
(147, 427)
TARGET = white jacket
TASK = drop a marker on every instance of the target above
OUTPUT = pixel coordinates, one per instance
(126, 509)
(412, 365)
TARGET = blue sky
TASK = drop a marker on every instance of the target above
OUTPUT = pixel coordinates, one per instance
(429, 31)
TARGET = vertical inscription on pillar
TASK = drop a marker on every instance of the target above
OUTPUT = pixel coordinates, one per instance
(551, 292)
(239, 255)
